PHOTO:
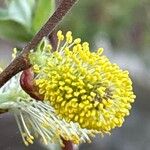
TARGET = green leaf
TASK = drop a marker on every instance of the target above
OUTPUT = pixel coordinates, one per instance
(9, 29)
(22, 18)
(16, 19)
(21, 11)
(3, 14)
(43, 9)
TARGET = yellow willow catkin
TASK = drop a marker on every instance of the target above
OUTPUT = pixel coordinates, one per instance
(82, 86)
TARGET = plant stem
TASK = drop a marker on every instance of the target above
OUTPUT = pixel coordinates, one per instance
(53, 40)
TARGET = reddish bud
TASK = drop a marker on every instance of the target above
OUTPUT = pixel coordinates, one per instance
(68, 145)
(28, 84)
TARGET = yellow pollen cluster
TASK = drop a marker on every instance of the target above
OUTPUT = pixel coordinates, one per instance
(83, 86)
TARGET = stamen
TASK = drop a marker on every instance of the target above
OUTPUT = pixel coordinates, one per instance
(60, 38)
(40, 131)
(69, 37)
(20, 129)
(75, 42)
(25, 127)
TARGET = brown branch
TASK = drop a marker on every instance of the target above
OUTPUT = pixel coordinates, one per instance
(52, 37)
(53, 40)
(22, 62)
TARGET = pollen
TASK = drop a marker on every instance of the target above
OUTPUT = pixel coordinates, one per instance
(83, 87)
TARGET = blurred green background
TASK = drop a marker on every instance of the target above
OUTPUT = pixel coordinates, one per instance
(122, 28)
